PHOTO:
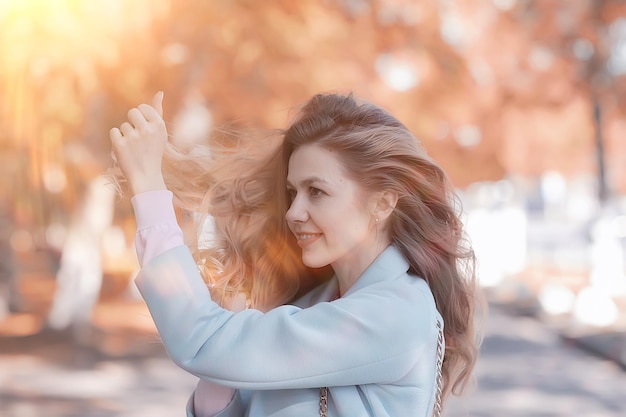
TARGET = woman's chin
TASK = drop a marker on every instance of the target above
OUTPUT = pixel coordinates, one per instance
(312, 262)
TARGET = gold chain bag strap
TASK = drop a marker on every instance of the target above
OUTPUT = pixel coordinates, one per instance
(324, 402)
(438, 381)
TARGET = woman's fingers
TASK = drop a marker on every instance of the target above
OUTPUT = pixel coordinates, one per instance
(126, 129)
(143, 115)
(157, 103)
(153, 113)
(149, 113)
(136, 118)
(116, 141)
(115, 134)
(139, 144)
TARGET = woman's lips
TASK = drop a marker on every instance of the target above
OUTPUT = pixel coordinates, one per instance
(305, 239)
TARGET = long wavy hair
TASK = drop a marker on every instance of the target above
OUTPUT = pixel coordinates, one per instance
(241, 183)
(381, 154)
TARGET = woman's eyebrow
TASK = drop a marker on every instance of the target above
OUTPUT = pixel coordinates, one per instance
(308, 181)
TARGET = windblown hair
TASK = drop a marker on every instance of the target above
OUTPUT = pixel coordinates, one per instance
(380, 153)
(235, 184)
(241, 183)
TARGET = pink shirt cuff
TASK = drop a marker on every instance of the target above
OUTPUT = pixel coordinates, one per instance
(157, 227)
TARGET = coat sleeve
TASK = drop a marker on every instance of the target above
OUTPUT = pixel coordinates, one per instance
(375, 335)
(157, 232)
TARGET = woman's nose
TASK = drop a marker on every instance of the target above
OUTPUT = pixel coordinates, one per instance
(296, 212)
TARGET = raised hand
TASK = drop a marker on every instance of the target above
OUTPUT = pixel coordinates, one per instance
(139, 144)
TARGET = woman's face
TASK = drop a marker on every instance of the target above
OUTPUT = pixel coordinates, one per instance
(329, 215)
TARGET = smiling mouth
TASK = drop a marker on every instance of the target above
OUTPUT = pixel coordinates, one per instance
(305, 239)
(305, 236)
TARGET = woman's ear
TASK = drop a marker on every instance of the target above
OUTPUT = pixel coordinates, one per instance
(385, 204)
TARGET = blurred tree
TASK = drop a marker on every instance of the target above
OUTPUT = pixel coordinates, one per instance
(572, 67)
(492, 87)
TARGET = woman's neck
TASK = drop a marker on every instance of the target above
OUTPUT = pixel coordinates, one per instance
(350, 268)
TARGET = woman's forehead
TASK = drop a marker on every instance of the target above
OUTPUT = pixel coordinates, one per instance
(314, 162)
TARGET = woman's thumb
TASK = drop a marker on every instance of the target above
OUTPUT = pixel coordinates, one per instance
(157, 102)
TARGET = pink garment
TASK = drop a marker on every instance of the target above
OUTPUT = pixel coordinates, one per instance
(157, 232)
(157, 227)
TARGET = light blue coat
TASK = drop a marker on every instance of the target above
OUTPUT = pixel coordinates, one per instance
(375, 347)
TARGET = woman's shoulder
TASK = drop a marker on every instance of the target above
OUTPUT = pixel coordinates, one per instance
(404, 288)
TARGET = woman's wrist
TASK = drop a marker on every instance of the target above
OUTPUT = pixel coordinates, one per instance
(149, 184)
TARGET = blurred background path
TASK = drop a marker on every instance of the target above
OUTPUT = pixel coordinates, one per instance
(526, 369)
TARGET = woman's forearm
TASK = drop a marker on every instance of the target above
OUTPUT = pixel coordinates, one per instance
(157, 232)
(157, 227)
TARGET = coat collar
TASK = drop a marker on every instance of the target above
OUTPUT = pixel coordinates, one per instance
(388, 265)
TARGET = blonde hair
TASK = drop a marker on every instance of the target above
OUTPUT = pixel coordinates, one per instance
(237, 181)
(381, 154)
(240, 180)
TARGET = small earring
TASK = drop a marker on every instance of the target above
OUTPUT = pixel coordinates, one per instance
(376, 220)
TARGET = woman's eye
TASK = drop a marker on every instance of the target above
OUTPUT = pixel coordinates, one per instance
(315, 192)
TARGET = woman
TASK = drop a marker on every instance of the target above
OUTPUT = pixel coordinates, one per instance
(354, 190)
